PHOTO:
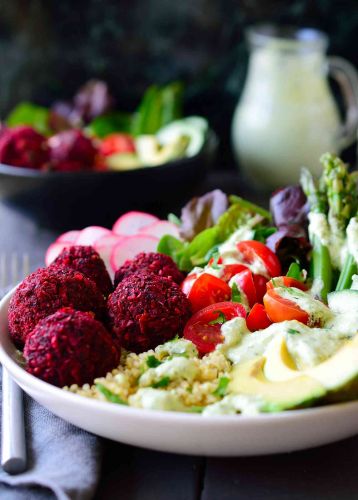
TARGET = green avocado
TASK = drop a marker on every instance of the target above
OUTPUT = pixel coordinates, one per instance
(338, 374)
(249, 379)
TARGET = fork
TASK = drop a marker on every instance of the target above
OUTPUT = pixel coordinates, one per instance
(13, 443)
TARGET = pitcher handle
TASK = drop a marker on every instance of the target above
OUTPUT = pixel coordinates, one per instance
(346, 76)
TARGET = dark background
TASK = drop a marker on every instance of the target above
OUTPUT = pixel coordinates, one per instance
(48, 48)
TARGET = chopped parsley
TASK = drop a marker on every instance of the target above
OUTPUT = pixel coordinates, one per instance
(163, 382)
(109, 395)
(153, 362)
(292, 331)
(220, 320)
(236, 294)
(221, 389)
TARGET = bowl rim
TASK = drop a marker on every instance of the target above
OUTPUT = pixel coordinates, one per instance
(209, 146)
(25, 379)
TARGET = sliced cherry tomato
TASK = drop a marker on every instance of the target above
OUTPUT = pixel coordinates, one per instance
(252, 250)
(204, 327)
(117, 143)
(286, 281)
(280, 309)
(231, 269)
(207, 289)
(245, 283)
(257, 318)
(260, 285)
(187, 284)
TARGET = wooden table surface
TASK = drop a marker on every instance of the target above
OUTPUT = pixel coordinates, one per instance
(129, 473)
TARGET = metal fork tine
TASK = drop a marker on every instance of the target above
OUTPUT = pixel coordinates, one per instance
(13, 443)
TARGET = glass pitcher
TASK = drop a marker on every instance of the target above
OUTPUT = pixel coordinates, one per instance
(287, 116)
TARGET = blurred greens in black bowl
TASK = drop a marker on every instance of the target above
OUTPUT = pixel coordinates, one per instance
(57, 163)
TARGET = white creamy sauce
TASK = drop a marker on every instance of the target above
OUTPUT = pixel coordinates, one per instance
(311, 346)
(176, 368)
(156, 399)
(232, 331)
(177, 347)
(233, 403)
(352, 237)
(307, 346)
(318, 227)
(354, 282)
(249, 345)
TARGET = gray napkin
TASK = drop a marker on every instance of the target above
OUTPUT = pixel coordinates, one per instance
(63, 461)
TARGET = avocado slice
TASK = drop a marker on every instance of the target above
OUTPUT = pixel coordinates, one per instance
(249, 379)
(123, 161)
(152, 153)
(338, 374)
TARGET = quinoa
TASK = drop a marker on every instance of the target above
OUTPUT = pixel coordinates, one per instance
(129, 377)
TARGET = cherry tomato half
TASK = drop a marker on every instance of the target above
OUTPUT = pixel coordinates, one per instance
(205, 290)
(245, 283)
(205, 334)
(252, 250)
(285, 281)
(260, 285)
(231, 269)
(117, 143)
(280, 309)
(257, 318)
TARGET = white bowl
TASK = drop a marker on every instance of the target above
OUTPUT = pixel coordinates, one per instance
(185, 433)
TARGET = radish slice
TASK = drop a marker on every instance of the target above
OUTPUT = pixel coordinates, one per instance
(69, 237)
(159, 229)
(91, 234)
(54, 251)
(129, 247)
(132, 222)
(104, 247)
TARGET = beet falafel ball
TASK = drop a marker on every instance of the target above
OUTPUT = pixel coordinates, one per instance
(86, 260)
(151, 262)
(146, 310)
(70, 347)
(44, 292)
(23, 146)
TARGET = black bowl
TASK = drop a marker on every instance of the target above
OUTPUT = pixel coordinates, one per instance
(65, 200)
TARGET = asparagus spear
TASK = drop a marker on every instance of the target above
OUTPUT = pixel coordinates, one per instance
(321, 266)
(341, 194)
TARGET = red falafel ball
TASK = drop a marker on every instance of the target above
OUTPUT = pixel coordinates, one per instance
(86, 260)
(70, 347)
(23, 147)
(71, 151)
(151, 262)
(146, 310)
(44, 292)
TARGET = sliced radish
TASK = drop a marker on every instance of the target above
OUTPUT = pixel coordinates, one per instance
(159, 229)
(132, 222)
(104, 247)
(54, 251)
(69, 237)
(91, 234)
(129, 247)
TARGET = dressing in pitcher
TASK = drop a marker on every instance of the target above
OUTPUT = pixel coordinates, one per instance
(287, 116)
